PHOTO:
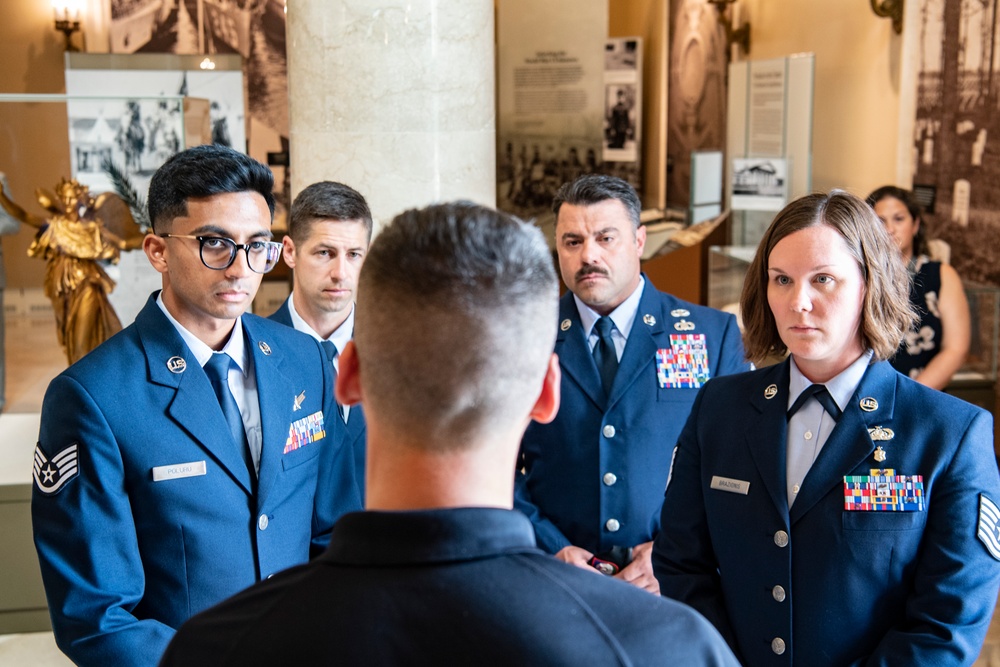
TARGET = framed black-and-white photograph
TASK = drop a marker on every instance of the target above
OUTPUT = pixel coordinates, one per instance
(759, 184)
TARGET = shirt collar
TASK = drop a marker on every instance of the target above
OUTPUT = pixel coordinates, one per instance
(235, 347)
(623, 316)
(428, 536)
(340, 335)
(841, 386)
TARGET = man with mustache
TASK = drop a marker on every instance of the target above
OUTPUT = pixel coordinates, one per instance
(329, 229)
(633, 359)
(197, 451)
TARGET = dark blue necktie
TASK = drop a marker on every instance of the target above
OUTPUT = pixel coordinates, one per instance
(331, 354)
(821, 394)
(217, 370)
(605, 355)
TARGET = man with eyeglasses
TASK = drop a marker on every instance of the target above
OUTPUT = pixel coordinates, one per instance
(199, 450)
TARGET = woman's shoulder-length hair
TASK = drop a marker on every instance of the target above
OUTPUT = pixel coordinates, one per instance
(886, 312)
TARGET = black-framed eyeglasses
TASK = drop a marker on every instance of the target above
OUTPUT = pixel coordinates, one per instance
(218, 252)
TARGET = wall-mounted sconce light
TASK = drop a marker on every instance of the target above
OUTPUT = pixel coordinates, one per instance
(740, 35)
(890, 9)
(67, 17)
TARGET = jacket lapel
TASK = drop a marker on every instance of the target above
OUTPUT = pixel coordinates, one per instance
(640, 349)
(166, 350)
(276, 393)
(574, 352)
(850, 443)
(768, 452)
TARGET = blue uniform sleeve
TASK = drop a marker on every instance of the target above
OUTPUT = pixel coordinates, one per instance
(548, 537)
(683, 560)
(955, 579)
(733, 355)
(85, 536)
(337, 489)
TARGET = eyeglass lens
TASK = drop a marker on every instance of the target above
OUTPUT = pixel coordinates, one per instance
(219, 253)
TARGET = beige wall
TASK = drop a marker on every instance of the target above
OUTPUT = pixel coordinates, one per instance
(32, 55)
(648, 19)
(857, 93)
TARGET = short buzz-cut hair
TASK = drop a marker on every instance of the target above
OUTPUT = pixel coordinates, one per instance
(886, 313)
(204, 171)
(456, 322)
(327, 200)
(592, 189)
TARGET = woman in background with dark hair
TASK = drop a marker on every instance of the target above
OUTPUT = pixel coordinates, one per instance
(937, 347)
(829, 511)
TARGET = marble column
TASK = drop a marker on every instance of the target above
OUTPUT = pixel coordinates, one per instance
(394, 98)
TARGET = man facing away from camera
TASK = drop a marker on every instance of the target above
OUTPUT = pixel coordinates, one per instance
(452, 358)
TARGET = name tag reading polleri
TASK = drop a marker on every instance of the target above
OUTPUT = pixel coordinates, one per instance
(179, 471)
(730, 485)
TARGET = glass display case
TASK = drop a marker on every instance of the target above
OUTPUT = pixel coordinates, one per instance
(974, 382)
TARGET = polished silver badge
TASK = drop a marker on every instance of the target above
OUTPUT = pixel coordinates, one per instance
(264, 347)
(771, 391)
(881, 434)
(680, 312)
(176, 364)
(879, 455)
(565, 325)
(297, 401)
(649, 319)
(684, 325)
(869, 404)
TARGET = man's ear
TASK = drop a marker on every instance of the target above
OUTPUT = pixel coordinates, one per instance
(547, 405)
(348, 389)
(155, 248)
(288, 251)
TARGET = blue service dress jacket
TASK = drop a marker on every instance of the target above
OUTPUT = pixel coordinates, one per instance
(356, 428)
(144, 509)
(458, 586)
(819, 584)
(595, 476)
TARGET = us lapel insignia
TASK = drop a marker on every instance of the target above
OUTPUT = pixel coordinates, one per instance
(176, 364)
(51, 474)
(565, 325)
(680, 312)
(879, 455)
(771, 391)
(297, 401)
(684, 325)
(264, 347)
(869, 404)
(880, 434)
(649, 319)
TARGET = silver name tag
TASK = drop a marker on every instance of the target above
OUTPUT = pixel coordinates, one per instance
(730, 485)
(178, 471)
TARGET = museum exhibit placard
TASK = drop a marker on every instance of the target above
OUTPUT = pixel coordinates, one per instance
(551, 98)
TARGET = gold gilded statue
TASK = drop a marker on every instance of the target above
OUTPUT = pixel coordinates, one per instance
(80, 233)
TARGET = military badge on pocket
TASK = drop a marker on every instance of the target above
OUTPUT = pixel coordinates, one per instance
(684, 365)
(884, 491)
(304, 431)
